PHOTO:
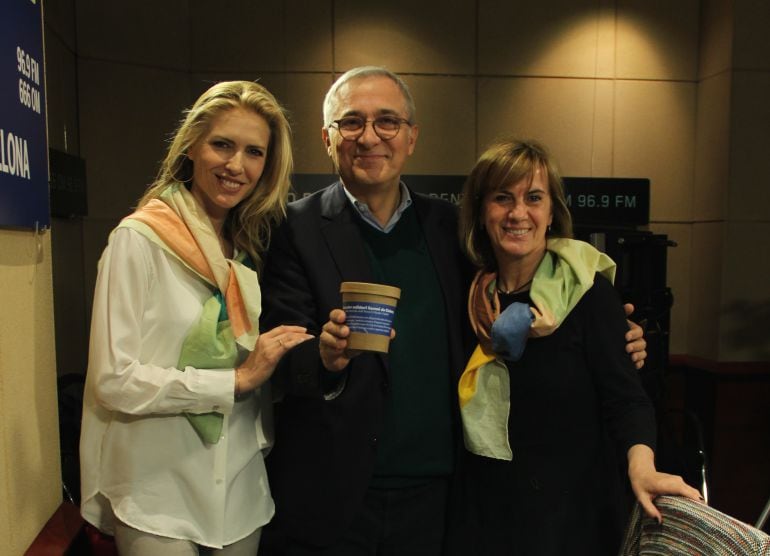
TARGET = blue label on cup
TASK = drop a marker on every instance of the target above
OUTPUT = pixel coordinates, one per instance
(369, 318)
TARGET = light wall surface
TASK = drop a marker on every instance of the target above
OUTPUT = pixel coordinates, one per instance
(30, 476)
(30, 469)
(730, 294)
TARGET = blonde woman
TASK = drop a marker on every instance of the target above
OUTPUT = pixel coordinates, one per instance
(176, 415)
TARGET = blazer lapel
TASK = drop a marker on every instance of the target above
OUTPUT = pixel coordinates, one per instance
(345, 243)
(343, 237)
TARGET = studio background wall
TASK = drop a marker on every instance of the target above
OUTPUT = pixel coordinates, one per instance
(672, 91)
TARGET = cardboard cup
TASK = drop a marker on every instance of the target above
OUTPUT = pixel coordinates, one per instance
(369, 310)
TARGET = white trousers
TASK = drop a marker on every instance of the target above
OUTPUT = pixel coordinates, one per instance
(132, 542)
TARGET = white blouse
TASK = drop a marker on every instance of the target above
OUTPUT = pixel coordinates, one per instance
(141, 460)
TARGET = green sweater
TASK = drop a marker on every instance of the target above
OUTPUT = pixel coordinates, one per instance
(416, 442)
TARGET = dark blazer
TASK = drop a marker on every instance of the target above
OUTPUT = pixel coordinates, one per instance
(577, 406)
(322, 461)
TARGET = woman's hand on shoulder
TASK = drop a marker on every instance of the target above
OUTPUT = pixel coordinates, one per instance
(648, 483)
(261, 362)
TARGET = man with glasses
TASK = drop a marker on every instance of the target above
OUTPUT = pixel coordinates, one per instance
(366, 443)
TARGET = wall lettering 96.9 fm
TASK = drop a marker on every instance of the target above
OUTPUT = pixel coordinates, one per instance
(29, 80)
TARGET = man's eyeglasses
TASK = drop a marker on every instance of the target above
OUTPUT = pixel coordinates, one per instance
(352, 127)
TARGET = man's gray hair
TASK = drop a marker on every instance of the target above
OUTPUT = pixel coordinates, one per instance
(330, 102)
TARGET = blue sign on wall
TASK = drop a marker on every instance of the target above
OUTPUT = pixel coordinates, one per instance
(23, 144)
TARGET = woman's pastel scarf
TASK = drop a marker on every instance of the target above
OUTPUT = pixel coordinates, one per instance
(178, 224)
(564, 275)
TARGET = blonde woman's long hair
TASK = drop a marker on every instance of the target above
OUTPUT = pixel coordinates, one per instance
(248, 225)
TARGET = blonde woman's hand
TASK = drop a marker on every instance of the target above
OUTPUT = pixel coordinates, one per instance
(261, 362)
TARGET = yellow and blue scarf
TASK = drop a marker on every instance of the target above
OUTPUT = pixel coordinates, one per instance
(564, 275)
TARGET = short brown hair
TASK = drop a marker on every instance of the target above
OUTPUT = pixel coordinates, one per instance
(502, 164)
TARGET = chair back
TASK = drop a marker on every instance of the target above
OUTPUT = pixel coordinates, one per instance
(690, 527)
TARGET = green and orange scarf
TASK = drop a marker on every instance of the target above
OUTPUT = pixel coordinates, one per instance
(178, 224)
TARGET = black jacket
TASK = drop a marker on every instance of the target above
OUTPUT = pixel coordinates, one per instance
(323, 458)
